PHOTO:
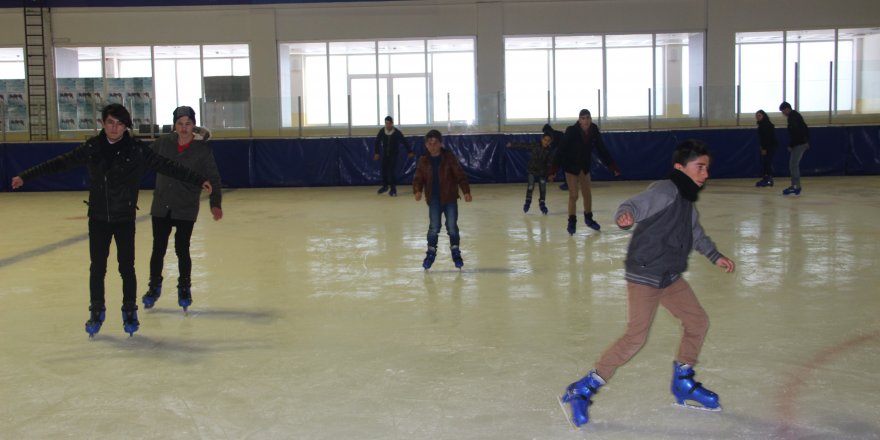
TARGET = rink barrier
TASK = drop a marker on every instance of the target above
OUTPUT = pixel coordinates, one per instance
(348, 161)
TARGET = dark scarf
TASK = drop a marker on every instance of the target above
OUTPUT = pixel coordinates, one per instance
(686, 186)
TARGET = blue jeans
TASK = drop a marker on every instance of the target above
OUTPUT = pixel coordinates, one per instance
(450, 210)
(794, 163)
(542, 187)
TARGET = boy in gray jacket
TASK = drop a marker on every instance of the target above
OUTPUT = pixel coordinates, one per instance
(176, 203)
(668, 228)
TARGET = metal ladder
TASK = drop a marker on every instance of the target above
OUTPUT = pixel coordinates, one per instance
(35, 53)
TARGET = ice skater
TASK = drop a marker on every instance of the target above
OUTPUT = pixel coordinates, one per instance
(387, 148)
(539, 168)
(667, 229)
(767, 139)
(439, 176)
(176, 203)
(575, 157)
(116, 163)
(798, 144)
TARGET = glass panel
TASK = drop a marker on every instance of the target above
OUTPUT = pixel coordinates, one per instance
(578, 72)
(808, 54)
(527, 75)
(411, 94)
(453, 75)
(759, 58)
(78, 62)
(303, 76)
(178, 82)
(629, 74)
(79, 87)
(363, 101)
(13, 109)
(858, 74)
(227, 89)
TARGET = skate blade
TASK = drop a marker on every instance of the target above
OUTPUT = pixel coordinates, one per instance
(564, 407)
(696, 407)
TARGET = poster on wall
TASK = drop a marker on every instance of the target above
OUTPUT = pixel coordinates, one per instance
(136, 95)
(13, 109)
(79, 103)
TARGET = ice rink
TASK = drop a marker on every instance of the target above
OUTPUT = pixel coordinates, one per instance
(313, 319)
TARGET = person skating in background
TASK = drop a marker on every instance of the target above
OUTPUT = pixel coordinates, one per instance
(667, 228)
(176, 203)
(557, 137)
(575, 157)
(116, 163)
(387, 148)
(439, 176)
(538, 169)
(798, 143)
(767, 140)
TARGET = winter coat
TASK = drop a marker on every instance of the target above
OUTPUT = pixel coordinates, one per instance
(389, 145)
(115, 173)
(667, 228)
(452, 178)
(576, 152)
(767, 134)
(177, 199)
(541, 160)
(798, 132)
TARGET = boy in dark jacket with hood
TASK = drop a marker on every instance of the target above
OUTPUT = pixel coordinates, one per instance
(668, 227)
(439, 176)
(798, 144)
(116, 164)
(176, 202)
(387, 148)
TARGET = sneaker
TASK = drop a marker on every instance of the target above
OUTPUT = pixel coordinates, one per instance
(382, 189)
(792, 190)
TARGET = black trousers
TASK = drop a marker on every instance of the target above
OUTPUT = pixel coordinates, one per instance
(389, 168)
(161, 232)
(101, 233)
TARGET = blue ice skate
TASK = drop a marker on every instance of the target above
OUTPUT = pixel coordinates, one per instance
(96, 319)
(686, 389)
(393, 192)
(456, 257)
(543, 207)
(152, 295)
(792, 190)
(579, 396)
(527, 205)
(430, 255)
(130, 321)
(588, 220)
(572, 225)
(764, 182)
(184, 297)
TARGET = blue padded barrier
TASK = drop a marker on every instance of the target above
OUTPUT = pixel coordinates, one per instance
(250, 163)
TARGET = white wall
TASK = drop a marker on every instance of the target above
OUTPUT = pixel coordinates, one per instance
(263, 26)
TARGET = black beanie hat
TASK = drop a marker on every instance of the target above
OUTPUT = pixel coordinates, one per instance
(184, 111)
(118, 111)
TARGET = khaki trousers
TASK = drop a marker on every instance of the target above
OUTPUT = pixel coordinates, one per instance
(680, 300)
